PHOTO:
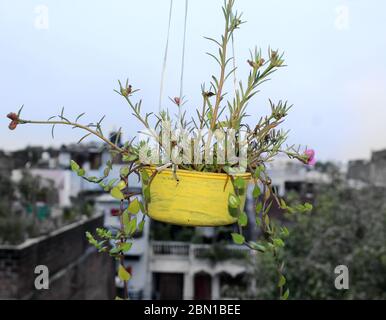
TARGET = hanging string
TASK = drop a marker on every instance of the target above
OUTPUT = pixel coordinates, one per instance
(183, 61)
(165, 57)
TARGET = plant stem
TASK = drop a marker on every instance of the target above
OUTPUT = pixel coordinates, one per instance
(122, 256)
(223, 67)
(77, 125)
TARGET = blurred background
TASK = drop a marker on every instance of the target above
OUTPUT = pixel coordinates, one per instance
(72, 53)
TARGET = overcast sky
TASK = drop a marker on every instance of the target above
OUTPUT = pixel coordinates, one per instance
(335, 51)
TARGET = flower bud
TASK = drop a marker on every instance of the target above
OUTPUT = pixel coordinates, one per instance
(15, 120)
(13, 125)
(177, 101)
(13, 116)
(253, 64)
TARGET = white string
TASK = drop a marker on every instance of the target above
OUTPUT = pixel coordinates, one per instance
(183, 61)
(165, 57)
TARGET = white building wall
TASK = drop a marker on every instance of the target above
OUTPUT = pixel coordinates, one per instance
(66, 182)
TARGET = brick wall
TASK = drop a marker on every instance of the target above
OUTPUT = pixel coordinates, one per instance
(76, 270)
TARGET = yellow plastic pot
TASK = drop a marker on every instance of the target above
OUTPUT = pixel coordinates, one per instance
(199, 198)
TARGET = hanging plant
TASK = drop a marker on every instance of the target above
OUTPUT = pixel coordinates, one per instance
(196, 171)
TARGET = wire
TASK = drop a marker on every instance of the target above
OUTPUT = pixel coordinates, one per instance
(165, 57)
(183, 61)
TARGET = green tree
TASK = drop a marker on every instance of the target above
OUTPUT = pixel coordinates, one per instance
(348, 227)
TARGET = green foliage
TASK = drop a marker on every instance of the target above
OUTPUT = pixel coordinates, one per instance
(218, 252)
(347, 227)
(233, 201)
(256, 191)
(28, 220)
(123, 274)
(238, 238)
(124, 172)
(239, 183)
(243, 220)
(74, 166)
(285, 295)
(134, 206)
(117, 193)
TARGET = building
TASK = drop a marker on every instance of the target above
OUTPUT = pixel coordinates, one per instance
(76, 270)
(371, 171)
(202, 264)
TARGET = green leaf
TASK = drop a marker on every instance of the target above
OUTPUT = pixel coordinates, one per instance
(266, 220)
(104, 233)
(285, 295)
(233, 201)
(308, 207)
(145, 177)
(134, 206)
(123, 274)
(74, 166)
(125, 221)
(111, 182)
(106, 172)
(238, 238)
(146, 194)
(142, 207)
(141, 225)
(243, 220)
(132, 226)
(124, 172)
(258, 246)
(283, 205)
(81, 172)
(91, 239)
(256, 192)
(282, 281)
(259, 207)
(117, 194)
(239, 183)
(284, 232)
(124, 247)
(258, 171)
(115, 250)
(121, 185)
(266, 210)
(278, 242)
(129, 158)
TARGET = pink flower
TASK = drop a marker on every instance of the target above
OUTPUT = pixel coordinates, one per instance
(115, 212)
(310, 153)
(177, 101)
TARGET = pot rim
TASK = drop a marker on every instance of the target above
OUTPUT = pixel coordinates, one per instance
(198, 174)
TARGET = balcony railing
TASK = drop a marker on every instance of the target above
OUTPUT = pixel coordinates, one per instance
(170, 248)
(185, 250)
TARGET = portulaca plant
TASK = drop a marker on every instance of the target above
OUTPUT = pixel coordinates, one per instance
(217, 139)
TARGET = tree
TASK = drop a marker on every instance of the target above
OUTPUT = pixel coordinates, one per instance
(347, 227)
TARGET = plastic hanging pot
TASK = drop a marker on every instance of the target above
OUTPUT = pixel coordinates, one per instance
(198, 199)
